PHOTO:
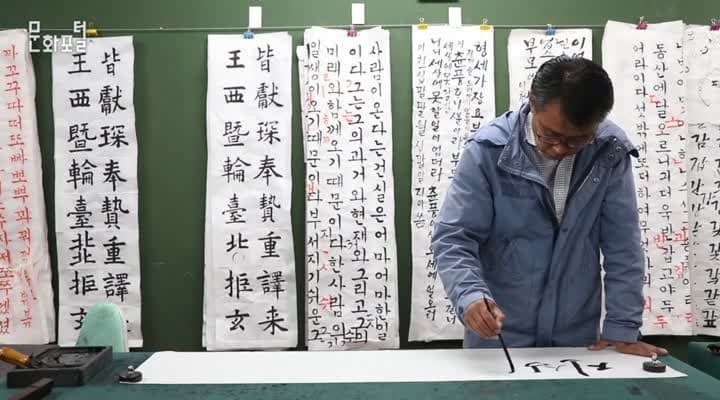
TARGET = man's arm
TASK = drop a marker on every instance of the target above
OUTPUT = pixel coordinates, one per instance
(624, 264)
(624, 260)
(460, 227)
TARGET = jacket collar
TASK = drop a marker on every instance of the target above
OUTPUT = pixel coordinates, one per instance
(514, 157)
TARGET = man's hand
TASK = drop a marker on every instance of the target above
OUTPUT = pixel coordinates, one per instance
(484, 321)
(638, 349)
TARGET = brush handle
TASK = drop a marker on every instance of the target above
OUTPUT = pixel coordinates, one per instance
(14, 357)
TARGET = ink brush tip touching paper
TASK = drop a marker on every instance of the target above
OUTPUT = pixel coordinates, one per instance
(507, 354)
(502, 342)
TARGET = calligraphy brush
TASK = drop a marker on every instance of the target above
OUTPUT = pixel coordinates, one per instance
(502, 342)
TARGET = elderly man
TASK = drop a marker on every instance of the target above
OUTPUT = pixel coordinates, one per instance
(537, 195)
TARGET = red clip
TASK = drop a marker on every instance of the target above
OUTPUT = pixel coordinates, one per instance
(642, 25)
(714, 25)
(352, 32)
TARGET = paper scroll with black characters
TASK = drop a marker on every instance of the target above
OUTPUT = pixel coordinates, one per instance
(702, 61)
(453, 96)
(351, 258)
(250, 271)
(528, 49)
(96, 189)
(648, 73)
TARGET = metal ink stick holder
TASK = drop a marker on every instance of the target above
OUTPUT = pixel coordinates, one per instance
(66, 366)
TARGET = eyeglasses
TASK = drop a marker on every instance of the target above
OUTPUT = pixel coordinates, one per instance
(552, 138)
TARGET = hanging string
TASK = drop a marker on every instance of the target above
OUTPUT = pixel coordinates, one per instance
(300, 27)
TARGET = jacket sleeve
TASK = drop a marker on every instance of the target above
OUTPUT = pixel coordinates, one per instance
(624, 260)
(461, 226)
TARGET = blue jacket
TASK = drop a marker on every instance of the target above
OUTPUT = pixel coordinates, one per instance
(497, 236)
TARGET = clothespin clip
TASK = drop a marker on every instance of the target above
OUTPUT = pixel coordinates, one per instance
(422, 25)
(85, 28)
(358, 18)
(642, 25)
(714, 25)
(484, 26)
(254, 21)
(550, 31)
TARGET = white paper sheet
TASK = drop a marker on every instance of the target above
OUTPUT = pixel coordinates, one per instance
(646, 67)
(96, 193)
(445, 112)
(27, 312)
(250, 291)
(255, 17)
(351, 260)
(529, 49)
(455, 17)
(703, 148)
(358, 13)
(392, 366)
(701, 48)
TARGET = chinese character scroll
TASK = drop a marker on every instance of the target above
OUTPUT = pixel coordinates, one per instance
(96, 188)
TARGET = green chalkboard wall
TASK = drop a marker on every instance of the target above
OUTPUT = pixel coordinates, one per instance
(170, 81)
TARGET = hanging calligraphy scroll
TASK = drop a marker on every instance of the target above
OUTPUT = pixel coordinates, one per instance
(702, 60)
(529, 49)
(27, 312)
(351, 261)
(453, 95)
(96, 193)
(250, 287)
(646, 67)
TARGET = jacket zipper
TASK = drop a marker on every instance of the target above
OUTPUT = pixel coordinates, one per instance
(593, 163)
(586, 179)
